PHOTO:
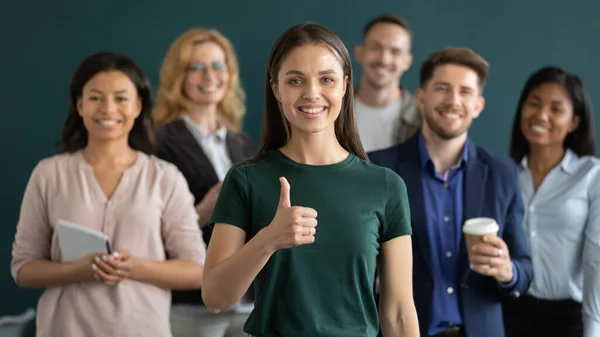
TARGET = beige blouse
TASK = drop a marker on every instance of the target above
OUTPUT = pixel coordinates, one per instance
(151, 214)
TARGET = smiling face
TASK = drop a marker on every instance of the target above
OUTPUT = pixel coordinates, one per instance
(450, 101)
(208, 76)
(310, 87)
(385, 54)
(109, 106)
(547, 115)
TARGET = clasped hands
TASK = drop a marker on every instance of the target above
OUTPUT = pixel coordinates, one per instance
(111, 269)
(491, 257)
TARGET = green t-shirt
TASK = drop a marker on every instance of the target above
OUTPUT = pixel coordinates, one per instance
(324, 288)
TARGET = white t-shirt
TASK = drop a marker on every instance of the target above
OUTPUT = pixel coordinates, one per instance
(377, 126)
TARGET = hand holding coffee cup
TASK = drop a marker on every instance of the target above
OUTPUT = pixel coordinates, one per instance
(488, 254)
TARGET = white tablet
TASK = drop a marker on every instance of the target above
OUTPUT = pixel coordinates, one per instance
(78, 241)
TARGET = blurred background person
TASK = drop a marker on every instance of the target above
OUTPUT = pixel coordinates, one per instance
(107, 179)
(386, 112)
(199, 114)
(553, 142)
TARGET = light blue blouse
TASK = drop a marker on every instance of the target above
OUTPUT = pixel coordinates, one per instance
(562, 223)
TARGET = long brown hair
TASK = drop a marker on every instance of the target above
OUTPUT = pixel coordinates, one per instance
(276, 129)
(172, 101)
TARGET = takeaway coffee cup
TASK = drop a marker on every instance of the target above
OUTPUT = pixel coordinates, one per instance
(475, 228)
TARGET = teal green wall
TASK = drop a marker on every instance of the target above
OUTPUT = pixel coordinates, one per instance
(43, 41)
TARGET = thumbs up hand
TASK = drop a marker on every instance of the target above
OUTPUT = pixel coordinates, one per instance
(292, 225)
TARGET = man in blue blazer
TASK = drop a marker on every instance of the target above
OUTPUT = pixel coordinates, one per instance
(450, 180)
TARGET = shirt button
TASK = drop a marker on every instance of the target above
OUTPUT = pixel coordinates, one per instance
(531, 208)
(446, 218)
(450, 290)
(532, 234)
(448, 254)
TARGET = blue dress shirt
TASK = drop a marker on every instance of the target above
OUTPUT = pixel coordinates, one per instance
(443, 196)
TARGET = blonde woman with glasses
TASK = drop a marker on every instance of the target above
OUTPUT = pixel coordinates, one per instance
(199, 112)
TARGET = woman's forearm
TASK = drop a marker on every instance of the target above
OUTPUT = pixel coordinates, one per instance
(405, 325)
(47, 274)
(203, 214)
(401, 327)
(171, 274)
(226, 282)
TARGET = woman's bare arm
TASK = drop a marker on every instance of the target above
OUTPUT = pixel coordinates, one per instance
(47, 274)
(177, 274)
(231, 265)
(397, 308)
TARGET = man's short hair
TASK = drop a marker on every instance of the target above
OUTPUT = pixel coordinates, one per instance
(388, 18)
(458, 56)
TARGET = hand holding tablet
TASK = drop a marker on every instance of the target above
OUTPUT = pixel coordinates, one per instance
(77, 241)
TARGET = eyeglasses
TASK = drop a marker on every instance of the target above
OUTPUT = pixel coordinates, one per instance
(218, 67)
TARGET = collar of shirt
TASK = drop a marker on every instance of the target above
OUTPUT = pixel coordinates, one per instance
(220, 133)
(425, 158)
(567, 164)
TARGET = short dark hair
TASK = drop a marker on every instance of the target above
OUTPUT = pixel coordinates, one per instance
(458, 56)
(74, 135)
(387, 18)
(581, 140)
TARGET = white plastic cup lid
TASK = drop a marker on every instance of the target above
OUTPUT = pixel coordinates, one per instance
(480, 226)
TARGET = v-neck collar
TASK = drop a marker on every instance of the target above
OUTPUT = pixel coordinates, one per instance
(95, 185)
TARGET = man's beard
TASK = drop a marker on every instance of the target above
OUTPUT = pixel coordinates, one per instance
(440, 131)
(381, 85)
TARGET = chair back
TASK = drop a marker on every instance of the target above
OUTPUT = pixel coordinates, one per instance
(16, 326)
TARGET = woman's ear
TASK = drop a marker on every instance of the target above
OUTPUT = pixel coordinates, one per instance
(275, 89)
(575, 123)
(79, 106)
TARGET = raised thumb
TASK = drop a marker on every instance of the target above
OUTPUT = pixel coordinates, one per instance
(284, 196)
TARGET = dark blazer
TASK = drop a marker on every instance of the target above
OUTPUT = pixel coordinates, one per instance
(176, 144)
(492, 190)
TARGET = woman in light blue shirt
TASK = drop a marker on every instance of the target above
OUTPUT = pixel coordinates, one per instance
(553, 142)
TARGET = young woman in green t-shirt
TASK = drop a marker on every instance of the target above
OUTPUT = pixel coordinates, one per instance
(311, 169)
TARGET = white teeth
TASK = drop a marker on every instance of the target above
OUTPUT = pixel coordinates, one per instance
(539, 129)
(108, 122)
(209, 89)
(312, 110)
(450, 115)
(381, 70)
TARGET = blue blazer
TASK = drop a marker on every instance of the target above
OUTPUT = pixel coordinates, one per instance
(491, 190)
